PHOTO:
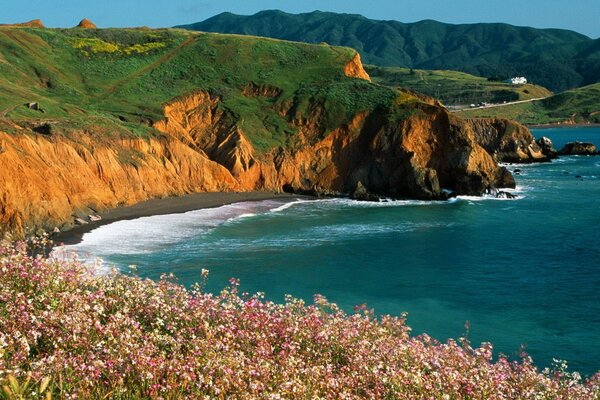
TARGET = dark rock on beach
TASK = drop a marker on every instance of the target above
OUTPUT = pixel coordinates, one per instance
(361, 193)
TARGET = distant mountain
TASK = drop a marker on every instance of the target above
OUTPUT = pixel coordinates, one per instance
(554, 58)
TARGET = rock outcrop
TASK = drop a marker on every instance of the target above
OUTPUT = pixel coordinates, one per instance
(354, 69)
(507, 141)
(86, 24)
(547, 147)
(579, 149)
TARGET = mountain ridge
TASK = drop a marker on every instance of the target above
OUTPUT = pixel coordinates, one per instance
(555, 58)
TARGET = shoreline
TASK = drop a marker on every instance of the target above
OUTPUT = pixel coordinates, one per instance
(164, 206)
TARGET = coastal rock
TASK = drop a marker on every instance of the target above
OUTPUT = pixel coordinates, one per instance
(361, 193)
(505, 179)
(45, 179)
(405, 148)
(507, 141)
(547, 147)
(579, 149)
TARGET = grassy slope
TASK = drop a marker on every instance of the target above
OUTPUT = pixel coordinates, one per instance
(557, 59)
(579, 105)
(100, 77)
(453, 87)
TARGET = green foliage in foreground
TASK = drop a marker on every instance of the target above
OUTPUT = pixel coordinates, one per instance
(68, 333)
(124, 76)
(581, 105)
(454, 87)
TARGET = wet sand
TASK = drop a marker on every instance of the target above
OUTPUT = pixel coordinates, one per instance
(167, 205)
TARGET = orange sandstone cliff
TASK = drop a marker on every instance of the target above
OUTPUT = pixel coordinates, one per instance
(411, 148)
(49, 179)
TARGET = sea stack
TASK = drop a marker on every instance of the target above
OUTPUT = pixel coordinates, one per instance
(86, 24)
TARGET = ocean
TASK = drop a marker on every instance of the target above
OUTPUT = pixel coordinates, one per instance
(521, 273)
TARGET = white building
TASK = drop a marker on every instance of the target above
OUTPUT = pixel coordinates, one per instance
(517, 80)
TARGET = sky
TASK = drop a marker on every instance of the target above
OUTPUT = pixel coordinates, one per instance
(579, 15)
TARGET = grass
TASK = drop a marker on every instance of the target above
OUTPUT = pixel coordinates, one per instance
(581, 105)
(453, 87)
(75, 74)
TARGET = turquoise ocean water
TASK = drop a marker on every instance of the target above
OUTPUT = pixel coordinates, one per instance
(522, 272)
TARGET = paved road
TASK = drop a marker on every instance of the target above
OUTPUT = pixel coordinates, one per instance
(466, 107)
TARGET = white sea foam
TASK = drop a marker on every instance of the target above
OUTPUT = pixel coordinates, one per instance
(150, 234)
(285, 206)
(345, 202)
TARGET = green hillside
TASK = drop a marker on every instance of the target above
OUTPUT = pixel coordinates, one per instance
(119, 78)
(453, 87)
(553, 58)
(581, 105)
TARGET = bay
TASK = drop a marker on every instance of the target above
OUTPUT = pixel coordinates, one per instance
(519, 273)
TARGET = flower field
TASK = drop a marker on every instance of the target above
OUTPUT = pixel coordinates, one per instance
(66, 332)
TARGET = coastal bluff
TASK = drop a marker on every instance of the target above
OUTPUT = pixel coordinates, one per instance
(49, 180)
(277, 117)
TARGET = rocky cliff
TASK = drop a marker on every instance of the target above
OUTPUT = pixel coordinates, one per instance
(507, 141)
(255, 114)
(48, 180)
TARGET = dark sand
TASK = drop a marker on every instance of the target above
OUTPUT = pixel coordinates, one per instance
(168, 205)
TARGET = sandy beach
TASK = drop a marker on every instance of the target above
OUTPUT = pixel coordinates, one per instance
(167, 205)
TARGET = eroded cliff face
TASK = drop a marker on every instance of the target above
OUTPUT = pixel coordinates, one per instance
(507, 141)
(416, 157)
(47, 181)
(405, 150)
(354, 69)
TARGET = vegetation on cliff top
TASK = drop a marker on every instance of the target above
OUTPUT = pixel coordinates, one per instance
(454, 87)
(581, 105)
(67, 332)
(554, 58)
(124, 76)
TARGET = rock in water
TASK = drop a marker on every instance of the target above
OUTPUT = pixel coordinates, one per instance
(361, 193)
(579, 149)
(547, 147)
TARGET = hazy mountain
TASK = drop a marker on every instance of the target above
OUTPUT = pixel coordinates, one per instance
(555, 58)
